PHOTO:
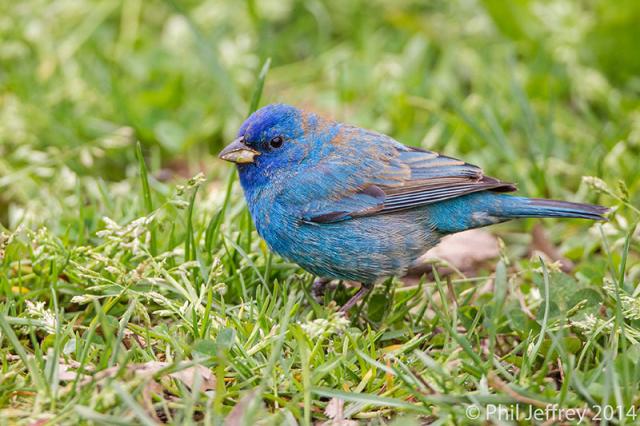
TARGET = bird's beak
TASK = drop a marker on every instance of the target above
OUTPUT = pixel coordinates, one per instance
(237, 152)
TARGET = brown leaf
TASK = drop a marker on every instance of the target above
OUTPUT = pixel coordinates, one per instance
(189, 376)
(237, 415)
(65, 373)
(464, 251)
(186, 374)
(129, 338)
(335, 411)
(540, 242)
(151, 387)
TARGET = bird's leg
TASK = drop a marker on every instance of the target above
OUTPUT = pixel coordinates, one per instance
(319, 287)
(364, 290)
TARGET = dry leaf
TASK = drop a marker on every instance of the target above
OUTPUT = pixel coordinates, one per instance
(130, 336)
(335, 411)
(541, 243)
(464, 251)
(236, 416)
(151, 388)
(65, 373)
(187, 375)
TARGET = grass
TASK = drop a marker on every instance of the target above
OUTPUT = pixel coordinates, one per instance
(134, 289)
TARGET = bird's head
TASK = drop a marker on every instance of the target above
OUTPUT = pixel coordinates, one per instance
(276, 140)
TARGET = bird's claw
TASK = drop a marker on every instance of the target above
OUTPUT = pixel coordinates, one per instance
(319, 288)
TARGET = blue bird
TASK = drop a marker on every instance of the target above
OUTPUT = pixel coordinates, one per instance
(351, 204)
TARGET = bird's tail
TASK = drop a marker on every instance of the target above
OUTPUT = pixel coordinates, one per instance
(486, 208)
(514, 207)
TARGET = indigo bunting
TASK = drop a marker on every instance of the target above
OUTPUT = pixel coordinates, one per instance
(351, 204)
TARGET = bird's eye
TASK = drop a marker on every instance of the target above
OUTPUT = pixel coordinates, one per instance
(276, 142)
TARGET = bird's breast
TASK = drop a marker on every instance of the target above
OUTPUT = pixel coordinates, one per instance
(274, 221)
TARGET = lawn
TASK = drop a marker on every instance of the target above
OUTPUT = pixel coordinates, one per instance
(135, 290)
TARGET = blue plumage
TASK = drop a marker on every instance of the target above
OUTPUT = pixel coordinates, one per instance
(348, 203)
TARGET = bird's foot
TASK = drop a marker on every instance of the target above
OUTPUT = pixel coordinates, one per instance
(319, 288)
(364, 290)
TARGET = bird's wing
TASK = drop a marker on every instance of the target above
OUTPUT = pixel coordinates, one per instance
(366, 202)
(433, 178)
(399, 178)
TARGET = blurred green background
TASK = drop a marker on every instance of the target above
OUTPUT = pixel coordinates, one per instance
(98, 270)
(539, 92)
